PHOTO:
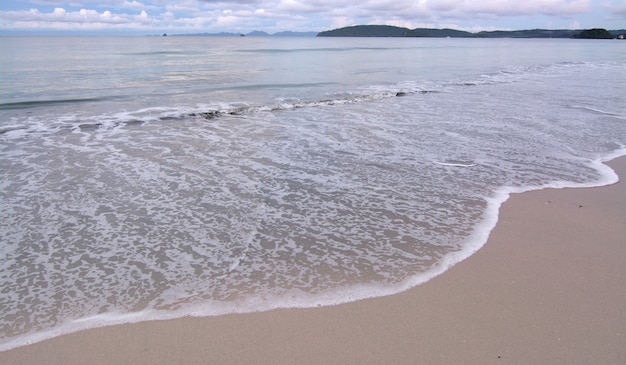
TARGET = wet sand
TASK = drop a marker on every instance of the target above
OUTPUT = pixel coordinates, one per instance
(549, 287)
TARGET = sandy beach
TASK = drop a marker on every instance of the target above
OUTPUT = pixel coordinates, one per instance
(549, 287)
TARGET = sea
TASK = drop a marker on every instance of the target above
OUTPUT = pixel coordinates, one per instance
(149, 178)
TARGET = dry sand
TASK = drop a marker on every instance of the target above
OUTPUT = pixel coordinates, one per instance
(549, 287)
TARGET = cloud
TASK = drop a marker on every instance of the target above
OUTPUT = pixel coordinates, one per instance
(183, 7)
(246, 15)
(231, 1)
(95, 4)
(527, 7)
(297, 6)
(133, 5)
(143, 17)
(59, 18)
(468, 9)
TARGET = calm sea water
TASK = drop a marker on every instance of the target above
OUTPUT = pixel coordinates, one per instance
(156, 177)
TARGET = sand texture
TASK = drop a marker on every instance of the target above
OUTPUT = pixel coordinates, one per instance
(549, 287)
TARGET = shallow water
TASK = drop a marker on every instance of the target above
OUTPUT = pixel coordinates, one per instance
(152, 178)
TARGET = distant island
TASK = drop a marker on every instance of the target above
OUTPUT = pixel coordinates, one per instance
(392, 31)
(596, 33)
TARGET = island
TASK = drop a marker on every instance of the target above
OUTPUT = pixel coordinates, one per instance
(393, 31)
(595, 33)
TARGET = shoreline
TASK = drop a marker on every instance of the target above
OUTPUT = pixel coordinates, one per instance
(547, 287)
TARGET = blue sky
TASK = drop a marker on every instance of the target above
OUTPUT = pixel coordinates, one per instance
(199, 16)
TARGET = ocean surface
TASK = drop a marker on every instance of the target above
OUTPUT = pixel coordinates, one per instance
(158, 177)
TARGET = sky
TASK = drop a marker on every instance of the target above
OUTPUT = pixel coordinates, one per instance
(141, 17)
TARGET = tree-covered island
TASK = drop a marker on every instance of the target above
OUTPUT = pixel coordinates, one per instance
(392, 31)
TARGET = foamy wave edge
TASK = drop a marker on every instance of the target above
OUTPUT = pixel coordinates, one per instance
(472, 244)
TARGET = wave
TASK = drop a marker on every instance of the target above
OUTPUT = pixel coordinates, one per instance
(456, 164)
(37, 103)
(598, 111)
(275, 86)
(69, 123)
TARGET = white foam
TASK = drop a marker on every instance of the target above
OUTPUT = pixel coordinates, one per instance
(455, 164)
(343, 294)
(599, 111)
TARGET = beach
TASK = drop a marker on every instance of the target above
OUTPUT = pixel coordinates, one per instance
(548, 287)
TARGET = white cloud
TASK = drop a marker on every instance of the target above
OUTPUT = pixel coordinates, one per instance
(135, 5)
(242, 15)
(293, 5)
(227, 21)
(527, 7)
(188, 6)
(143, 17)
(58, 13)
(59, 18)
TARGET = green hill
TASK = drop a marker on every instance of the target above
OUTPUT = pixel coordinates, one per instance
(391, 31)
(440, 33)
(529, 33)
(365, 31)
(595, 33)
